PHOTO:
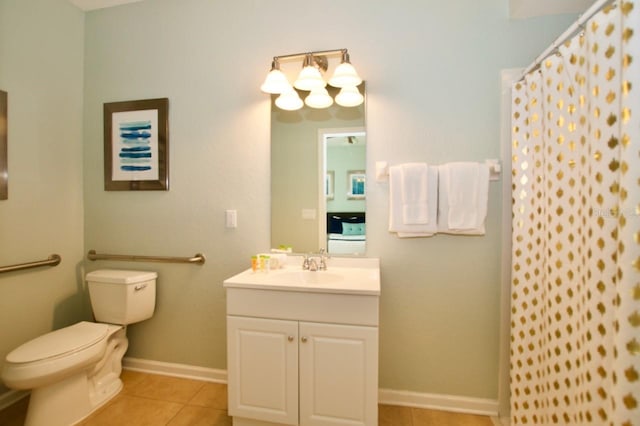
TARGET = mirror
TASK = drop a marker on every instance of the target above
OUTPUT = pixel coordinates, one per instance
(318, 185)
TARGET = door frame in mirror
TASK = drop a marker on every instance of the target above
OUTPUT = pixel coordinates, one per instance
(323, 135)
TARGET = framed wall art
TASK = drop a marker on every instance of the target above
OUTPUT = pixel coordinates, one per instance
(329, 185)
(356, 180)
(4, 163)
(136, 145)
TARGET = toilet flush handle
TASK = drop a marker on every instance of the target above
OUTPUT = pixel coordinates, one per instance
(140, 287)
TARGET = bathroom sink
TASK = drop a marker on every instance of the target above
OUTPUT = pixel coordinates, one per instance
(352, 276)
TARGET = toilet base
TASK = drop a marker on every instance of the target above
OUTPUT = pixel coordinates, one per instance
(64, 403)
(70, 400)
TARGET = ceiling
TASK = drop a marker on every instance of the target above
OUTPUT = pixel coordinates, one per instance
(99, 4)
(518, 9)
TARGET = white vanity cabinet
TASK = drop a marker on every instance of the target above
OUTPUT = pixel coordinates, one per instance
(301, 356)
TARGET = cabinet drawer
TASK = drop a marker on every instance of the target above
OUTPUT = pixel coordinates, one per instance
(299, 306)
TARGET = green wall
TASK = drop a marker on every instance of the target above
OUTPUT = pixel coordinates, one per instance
(41, 60)
(433, 91)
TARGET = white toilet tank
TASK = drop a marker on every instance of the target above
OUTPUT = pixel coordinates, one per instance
(122, 296)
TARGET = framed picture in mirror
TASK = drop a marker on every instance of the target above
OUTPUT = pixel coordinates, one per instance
(136, 145)
(329, 184)
(356, 180)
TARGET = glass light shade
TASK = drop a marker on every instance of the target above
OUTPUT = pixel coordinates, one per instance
(276, 82)
(345, 75)
(349, 96)
(289, 100)
(309, 79)
(319, 98)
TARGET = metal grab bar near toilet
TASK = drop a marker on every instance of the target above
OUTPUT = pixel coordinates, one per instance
(197, 259)
(52, 260)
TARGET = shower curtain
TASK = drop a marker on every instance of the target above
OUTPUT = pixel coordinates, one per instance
(575, 298)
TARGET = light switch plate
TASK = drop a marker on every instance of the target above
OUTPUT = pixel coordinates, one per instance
(231, 218)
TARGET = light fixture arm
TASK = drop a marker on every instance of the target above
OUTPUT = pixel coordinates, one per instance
(313, 54)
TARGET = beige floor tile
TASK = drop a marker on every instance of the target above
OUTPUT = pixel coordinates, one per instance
(166, 388)
(154, 400)
(132, 410)
(130, 378)
(445, 418)
(212, 395)
(393, 415)
(200, 416)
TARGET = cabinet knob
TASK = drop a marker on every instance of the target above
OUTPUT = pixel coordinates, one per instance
(290, 338)
(304, 339)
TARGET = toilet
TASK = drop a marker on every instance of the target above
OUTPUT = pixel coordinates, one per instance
(74, 370)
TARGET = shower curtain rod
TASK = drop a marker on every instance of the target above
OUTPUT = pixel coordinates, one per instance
(572, 30)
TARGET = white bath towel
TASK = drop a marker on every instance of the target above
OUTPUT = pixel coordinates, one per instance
(396, 223)
(462, 198)
(414, 188)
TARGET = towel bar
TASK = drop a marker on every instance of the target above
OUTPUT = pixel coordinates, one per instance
(382, 170)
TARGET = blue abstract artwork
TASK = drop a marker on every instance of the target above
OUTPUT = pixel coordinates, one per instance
(357, 185)
(135, 145)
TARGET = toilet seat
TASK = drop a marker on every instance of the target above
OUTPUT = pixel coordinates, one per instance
(59, 342)
(52, 356)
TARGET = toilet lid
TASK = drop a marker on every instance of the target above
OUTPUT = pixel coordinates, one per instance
(59, 342)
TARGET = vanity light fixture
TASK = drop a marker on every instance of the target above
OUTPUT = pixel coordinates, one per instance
(311, 79)
(276, 81)
(345, 74)
(289, 100)
(319, 98)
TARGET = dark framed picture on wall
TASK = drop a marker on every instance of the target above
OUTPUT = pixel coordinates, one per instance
(136, 145)
(4, 164)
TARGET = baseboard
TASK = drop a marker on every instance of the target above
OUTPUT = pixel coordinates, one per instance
(456, 404)
(11, 397)
(176, 370)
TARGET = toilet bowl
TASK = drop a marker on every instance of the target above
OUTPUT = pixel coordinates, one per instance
(74, 370)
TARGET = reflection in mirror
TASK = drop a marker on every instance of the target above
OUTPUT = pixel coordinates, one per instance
(344, 165)
(318, 167)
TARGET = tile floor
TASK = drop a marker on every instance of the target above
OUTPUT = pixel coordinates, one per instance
(154, 400)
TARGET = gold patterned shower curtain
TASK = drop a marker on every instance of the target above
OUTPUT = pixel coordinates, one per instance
(575, 298)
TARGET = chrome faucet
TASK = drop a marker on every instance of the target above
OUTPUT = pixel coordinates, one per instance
(323, 260)
(306, 263)
(309, 263)
(313, 265)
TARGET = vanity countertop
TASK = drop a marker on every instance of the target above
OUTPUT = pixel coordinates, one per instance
(343, 276)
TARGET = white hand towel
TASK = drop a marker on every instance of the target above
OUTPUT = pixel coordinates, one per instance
(462, 198)
(396, 223)
(415, 206)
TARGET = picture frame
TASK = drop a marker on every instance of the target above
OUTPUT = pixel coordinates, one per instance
(356, 184)
(136, 145)
(4, 161)
(329, 185)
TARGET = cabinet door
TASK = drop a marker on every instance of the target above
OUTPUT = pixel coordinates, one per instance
(338, 375)
(262, 358)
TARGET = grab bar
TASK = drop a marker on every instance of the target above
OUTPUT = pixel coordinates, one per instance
(52, 260)
(198, 258)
